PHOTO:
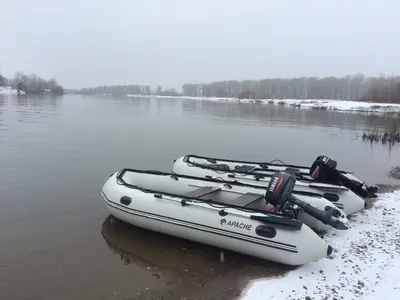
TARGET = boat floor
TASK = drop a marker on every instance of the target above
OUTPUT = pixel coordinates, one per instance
(160, 183)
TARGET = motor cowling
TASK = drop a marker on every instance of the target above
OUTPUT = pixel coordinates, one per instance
(324, 169)
(280, 190)
(279, 194)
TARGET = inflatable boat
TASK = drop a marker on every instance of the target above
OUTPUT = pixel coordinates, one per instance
(216, 216)
(315, 200)
(260, 174)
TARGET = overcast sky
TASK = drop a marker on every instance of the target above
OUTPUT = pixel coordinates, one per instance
(169, 42)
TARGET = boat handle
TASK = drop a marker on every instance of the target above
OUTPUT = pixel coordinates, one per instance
(126, 200)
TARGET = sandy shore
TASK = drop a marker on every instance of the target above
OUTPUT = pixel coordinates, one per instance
(364, 265)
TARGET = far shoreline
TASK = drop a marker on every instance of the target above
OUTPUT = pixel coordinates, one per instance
(350, 106)
(314, 104)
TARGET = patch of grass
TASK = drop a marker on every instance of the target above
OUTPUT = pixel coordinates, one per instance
(309, 101)
(388, 137)
(392, 136)
(371, 136)
(318, 107)
(387, 188)
(395, 173)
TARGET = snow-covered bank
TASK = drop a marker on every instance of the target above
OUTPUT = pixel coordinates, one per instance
(322, 104)
(365, 263)
(8, 90)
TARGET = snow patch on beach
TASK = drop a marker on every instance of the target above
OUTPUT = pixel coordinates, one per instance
(8, 90)
(340, 105)
(365, 263)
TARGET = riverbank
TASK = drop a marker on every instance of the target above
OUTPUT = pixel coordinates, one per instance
(364, 264)
(317, 104)
(8, 90)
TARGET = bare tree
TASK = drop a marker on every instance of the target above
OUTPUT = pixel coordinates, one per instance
(3, 80)
(350, 87)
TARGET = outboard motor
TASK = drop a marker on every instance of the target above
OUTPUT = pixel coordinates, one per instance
(280, 190)
(279, 194)
(324, 170)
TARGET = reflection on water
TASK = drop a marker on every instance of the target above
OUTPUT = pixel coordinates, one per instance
(169, 103)
(2, 102)
(41, 101)
(128, 106)
(187, 262)
(3, 105)
(381, 122)
(287, 115)
(23, 108)
(144, 247)
(110, 106)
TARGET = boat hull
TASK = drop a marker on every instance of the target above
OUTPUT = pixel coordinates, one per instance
(203, 223)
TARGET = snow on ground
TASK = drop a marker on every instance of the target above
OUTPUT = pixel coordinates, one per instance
(365, 263)
(8, 90)
(338, 105)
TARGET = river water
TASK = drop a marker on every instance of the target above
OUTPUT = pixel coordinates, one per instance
(57, 240)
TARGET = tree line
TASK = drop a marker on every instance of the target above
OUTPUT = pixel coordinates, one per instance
(351, 87)
(356, 88)
(32, 84)
(386, 90)
(122, 90)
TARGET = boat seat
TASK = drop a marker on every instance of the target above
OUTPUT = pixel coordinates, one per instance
(246, 199)
(244, 168)
(197, 193)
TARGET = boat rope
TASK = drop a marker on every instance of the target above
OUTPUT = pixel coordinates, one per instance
(208, 166)
(278, 161)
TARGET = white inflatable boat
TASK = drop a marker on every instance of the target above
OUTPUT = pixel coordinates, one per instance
(260, 174)
(237, 188)
(215, 216)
